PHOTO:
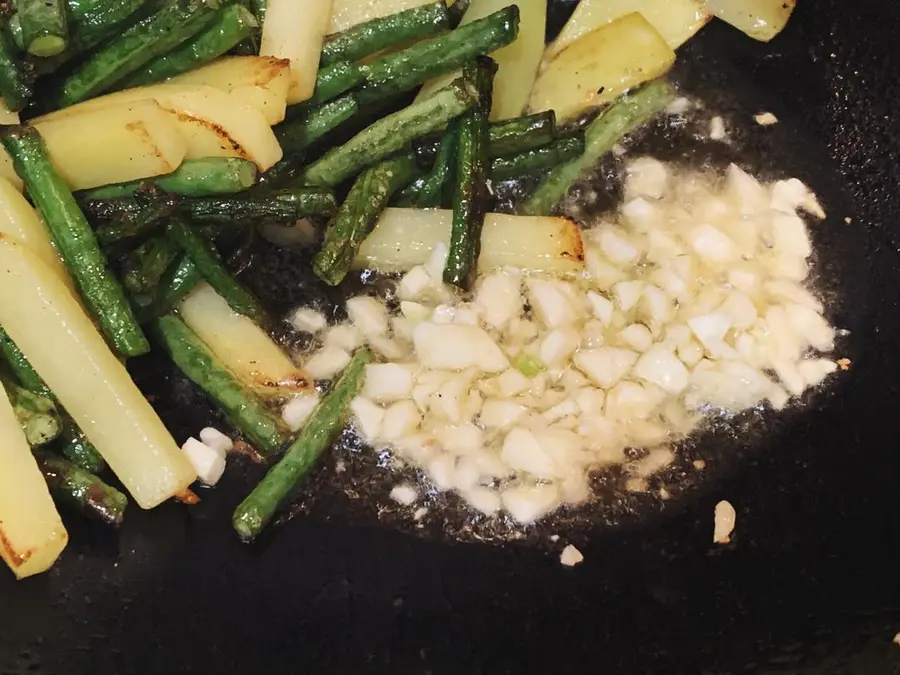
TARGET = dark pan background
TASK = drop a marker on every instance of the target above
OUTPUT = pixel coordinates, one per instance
(810, 585)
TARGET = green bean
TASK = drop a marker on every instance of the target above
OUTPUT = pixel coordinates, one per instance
(210, 266)
(75, 240)
(471, 195)
(407, 69)
(625, 115)
(45, 28)
(370, 37)
(231, 25)
(258, 508)
(194, 178)
(301, 132)
(202, 367)
(81, 489)
(358, 215)
(390, 134)
(146, 40)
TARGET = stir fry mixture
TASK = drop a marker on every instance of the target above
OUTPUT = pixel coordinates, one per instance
(145, 143)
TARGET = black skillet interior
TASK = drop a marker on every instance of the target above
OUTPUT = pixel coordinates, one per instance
(808, 586)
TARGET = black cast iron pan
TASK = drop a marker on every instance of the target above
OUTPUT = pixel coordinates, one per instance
(348, 585)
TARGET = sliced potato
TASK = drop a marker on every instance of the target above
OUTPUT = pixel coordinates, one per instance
(261, 82)
(599, 66)
(405, 238)
(245, 348)
(124, 142)
(212, 122)
(676, 20)
(68, 352)
(348, 13)
(760, 19)
(517, 63)
(295, 30)
(7, 116)
(31, 532)
(21, 222)
(8, 172)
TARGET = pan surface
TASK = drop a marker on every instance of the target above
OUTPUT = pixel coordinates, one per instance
(808, 586)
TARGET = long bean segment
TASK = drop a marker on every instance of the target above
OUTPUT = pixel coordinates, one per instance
(210, 266)
(177, 281)
(45, 29)
(243, 409)
(14, 86)
(370, 37)
(520, 134)
(507, 137)
(471, 196)
(140, 223)
(301, 132)
(391, 134)
(327, 420)
(285, 205)
(332, 81)
(537, 160)
(36, 413)
(75, 240)
(81, 489)
(624, 116)
(428, 191)
(358, 215)
(231, 25)
(72, 442)
(141, 43)
(90, 23)
(142, 268)
(428, 59)
(194, 178)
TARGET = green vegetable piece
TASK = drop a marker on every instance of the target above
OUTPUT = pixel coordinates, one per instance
(151, 217)
(14, 87)
(241, 406)
(173, 287)
(194, 178)
(507, 137)
(77, 448)
(36, 413)
(332, 81)
(142, 268)
(73, 443)
(90, 23)
(45, 28)
(288, 205)
(326, 421)
(520, 134)
(75, 240)
(405, 70)
(471, 195)
(359, 213)
(231, 25)
(81, 489)
(370, 37)
(528, 365)
(628, 113)
(210, 266)
(537, 160)
(146, 40)
(428, 192)
(310, 127)
(390, 134)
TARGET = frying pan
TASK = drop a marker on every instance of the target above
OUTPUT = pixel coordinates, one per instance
(809, 585)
